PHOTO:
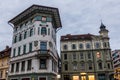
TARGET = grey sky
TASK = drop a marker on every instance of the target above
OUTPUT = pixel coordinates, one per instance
(77, 16)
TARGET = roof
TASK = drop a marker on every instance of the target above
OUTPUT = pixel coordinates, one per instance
(6, 52)
(76, 37)
(37, 9)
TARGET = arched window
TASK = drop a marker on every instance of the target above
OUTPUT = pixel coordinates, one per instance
(43, 31)
(90, 66)
(65, 47)
(100, 65)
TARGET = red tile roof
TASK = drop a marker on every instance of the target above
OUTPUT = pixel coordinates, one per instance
(76, 37)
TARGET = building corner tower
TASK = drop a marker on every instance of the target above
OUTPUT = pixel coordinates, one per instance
(34, 55)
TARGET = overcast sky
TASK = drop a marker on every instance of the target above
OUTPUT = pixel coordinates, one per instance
(77, 17)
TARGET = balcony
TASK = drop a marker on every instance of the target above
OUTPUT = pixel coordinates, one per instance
(43, 53)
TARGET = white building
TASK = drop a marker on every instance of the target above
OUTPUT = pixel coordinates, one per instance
(34, 54)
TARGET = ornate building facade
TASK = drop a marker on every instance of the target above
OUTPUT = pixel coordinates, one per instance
(116, 63)
(34, 55)
(4, 63)
(86, 56)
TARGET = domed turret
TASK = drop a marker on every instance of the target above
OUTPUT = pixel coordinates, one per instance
(103, 31)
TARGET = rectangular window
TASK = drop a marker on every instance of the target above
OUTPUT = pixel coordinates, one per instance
(31, 32)
(25, 34)
(19, 49)
(30, 47)
(23, 66)
(14, 52)
(74, 56)
(43, 45)
(12, 67)
(29, 65)
(65, 56)
(20, 37)
(66, 67)
(89, 55)
(73, 46)
(15, 39)
(43, 31)
(82, 66)
(1, 74)
(17, 67)
(43, 64)
(24, 49)
(81, 56)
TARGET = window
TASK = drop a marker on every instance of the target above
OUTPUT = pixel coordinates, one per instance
(15, 39)
(73, 46)
(38, 18)
(105, 44)
(24, 49)
(19, 49)
(87, 45)
(48, 31)
(89, 55)
(81, 56)
(65, 56)
(74, 66)
(49, 19)
(29, 65)
(43, 45)
(12, 67)
(108, 65)
(23, 66)
(74, 55)
(97, 45)
(30, 47)
(100, 65)
(66, 67)
(31, 32)
(90, 65)
(82, 65)
(25, 34)
(65, 47)
(20, 37)
(17, 67)
(14, 52)
(43, 31)
(43, 64)
(81, 46)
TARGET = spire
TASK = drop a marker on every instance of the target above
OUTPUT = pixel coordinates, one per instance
(102, 26)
